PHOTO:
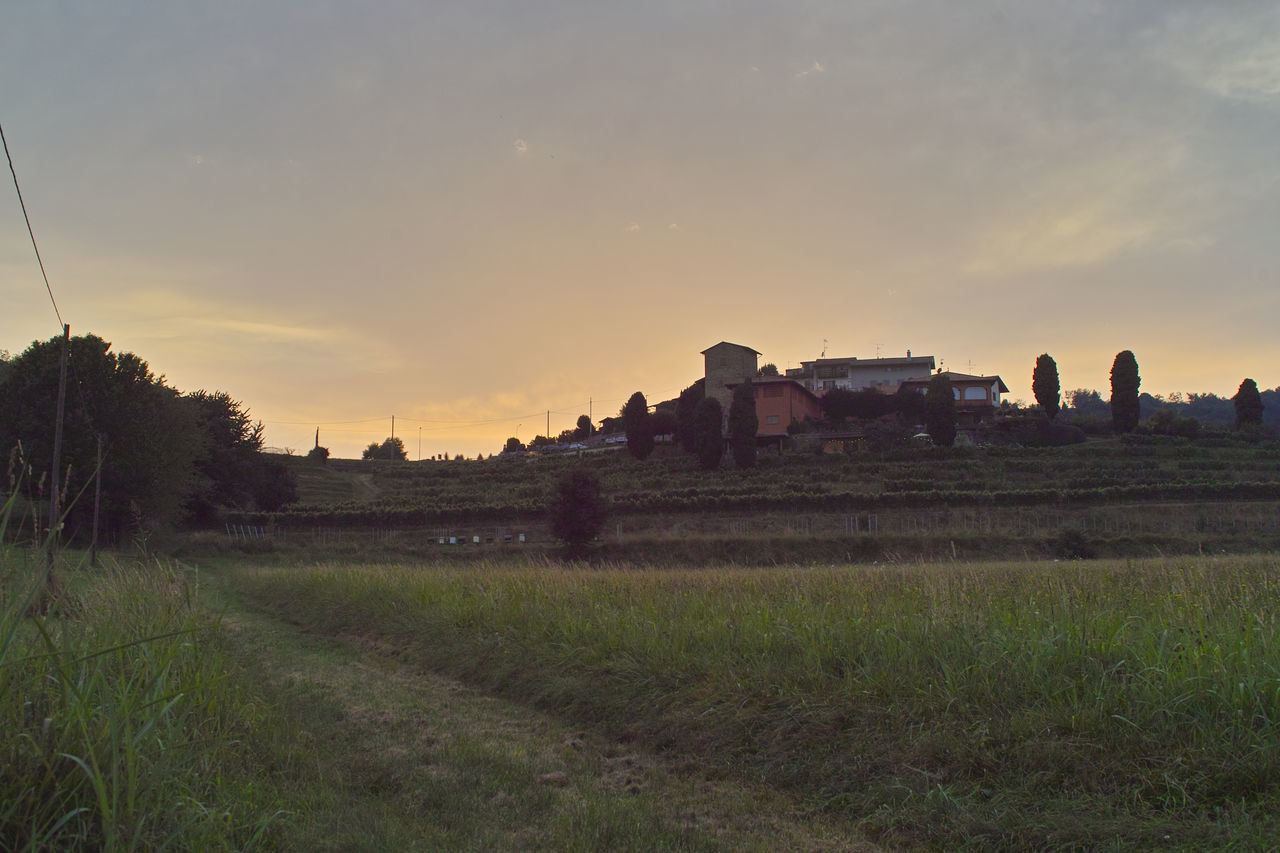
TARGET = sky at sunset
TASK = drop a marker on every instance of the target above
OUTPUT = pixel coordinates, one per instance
(467, 214)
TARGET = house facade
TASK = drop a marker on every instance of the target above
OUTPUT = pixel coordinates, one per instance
(855, 374)
(780, 401)
(974, 395)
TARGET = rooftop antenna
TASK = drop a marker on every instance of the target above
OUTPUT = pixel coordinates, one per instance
(824, 348)
(878, 346)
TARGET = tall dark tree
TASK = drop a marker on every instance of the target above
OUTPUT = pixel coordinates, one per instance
(940, 410)
(583, 428)
(639, 429)
(685, 406)
(743, 425)
(577, 510)
(1248, 403)
(1125, 382)
(1045, 385)
(151, 436)
(230, 467)
(707, 424)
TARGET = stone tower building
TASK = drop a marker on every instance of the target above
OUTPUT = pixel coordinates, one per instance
(728, 364)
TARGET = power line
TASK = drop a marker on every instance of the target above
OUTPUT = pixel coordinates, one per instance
(23, 205)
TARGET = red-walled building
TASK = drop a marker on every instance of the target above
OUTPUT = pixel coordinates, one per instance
(779, 401)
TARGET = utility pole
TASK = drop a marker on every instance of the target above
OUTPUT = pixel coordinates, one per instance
(548, 423)
(393, 426)
(57, 456)
(97, 502)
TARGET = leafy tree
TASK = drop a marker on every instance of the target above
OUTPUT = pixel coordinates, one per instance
(663, 422)
(391, 449)
(940, 410)
(318, 454)
(1248, 403)
(513, 445)
(151, 436)
(584, 428)
(709, 445)
(837, 404)
(540, 441)
(909, 405)
(1125, 409)
(577, 509)
(639, 429)
(685, 405)
(743, 425)
(767, 369)
(1045, 386)
(231, 467)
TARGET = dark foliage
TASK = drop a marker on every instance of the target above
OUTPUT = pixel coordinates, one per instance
(577, 509)
(1071, 544)
(909, 405)
(151, 437)
(1045, 385)
(513, 445)
(767, 369)
(663, 422)
(1248, 404)
(743, 425)
(318, 454)
(940, 411)
(391, 449)
(638, 426)
(583, 428)
(864, 404)
(709, 444)
(1125, 382)
(685, 406)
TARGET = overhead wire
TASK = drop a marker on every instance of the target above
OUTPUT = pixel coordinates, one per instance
(30, 230)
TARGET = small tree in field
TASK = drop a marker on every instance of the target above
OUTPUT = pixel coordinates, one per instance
(1045, 385)
(577, 510)
(743, 425)
(635, 420)
(1124, 392)
(709, 443)
(940, 410)
(1248, 403)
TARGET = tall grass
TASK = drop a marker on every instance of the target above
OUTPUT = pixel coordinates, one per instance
(119, 728)
(1015, 705)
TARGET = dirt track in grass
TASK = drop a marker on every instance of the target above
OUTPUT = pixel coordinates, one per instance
(384, 755)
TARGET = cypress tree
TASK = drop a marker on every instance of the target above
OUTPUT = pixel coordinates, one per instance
(1248, 403)
(940, 410)
(710, 443)
(1124, 392)
(743, 425)
(635, 420)
(1045, 385)
(685, 406)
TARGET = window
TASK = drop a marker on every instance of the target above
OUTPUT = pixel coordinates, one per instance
(771, 419)
(975, 393)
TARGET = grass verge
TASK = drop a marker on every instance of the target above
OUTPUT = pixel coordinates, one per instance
(1094, 705)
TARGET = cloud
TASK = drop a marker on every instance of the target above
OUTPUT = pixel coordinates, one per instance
(815, 68)
(1085, 215)
(520, 146)
(1234, 56)
(632, 227)
(199, 160)
(673, 227)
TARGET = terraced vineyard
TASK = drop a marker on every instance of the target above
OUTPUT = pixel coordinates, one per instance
(1136, 495)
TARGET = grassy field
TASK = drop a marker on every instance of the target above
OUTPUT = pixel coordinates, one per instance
(1018, 706)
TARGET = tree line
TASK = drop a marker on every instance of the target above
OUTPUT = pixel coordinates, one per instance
(167, 457)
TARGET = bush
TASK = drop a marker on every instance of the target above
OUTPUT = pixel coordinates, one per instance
(578, 510)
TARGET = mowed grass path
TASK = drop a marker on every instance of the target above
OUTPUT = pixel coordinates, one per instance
(1016, 706)
(377, 753)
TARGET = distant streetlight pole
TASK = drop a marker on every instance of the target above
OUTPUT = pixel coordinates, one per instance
(419, 444)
